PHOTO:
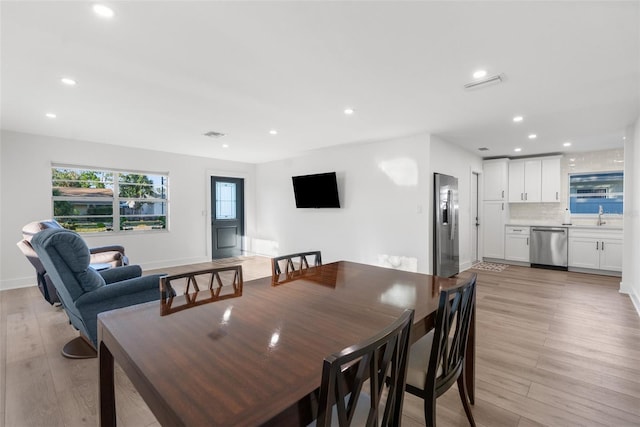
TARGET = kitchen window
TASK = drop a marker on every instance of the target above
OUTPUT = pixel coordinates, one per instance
(96, 200)
(588, 193)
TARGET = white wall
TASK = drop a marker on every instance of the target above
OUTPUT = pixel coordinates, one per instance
(384, 196)
(452, 160)
(386, 192)
(630, 266)
(25, 196)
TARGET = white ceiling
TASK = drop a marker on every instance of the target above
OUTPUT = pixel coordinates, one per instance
(160, 74)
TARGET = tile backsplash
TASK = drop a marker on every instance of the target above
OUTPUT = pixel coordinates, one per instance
(591, 161)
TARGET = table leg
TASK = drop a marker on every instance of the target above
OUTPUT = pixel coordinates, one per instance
(106, 390)
(470, 359)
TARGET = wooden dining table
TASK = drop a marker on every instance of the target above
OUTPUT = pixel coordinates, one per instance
(256, 359)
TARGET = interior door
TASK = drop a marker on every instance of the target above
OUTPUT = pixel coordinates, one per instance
(227, 216)
(474, 218)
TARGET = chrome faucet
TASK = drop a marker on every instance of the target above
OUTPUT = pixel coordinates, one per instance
(600, 213)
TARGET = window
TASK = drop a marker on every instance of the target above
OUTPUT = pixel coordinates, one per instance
(589, 192)
(91, 200)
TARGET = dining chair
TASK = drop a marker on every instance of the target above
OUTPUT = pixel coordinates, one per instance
(437, 360)
(290, 266)
(383, 356)
(217, 284)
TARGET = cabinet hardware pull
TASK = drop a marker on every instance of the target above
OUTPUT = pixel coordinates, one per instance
(521, 196)
(503, 206)
(525, 196)
(527, 241)
(556, 195)
(602, 247)
(503, 194)
(597, 245)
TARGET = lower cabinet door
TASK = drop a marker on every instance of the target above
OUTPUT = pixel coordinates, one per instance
(584, 253)
(516, 248)
(611, 255)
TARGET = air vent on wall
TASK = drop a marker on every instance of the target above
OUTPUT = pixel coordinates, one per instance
(476, 84)
(213, 134)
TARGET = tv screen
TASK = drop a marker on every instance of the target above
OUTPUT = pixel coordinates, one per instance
(316, 191)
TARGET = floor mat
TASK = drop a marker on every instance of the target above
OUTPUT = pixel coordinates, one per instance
(490, 266)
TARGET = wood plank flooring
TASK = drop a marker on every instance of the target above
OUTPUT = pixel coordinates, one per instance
(553, 349)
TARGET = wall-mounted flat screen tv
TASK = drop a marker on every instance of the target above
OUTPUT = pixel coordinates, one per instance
(316, 191)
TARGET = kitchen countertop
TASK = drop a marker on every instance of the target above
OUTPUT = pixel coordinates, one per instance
(549, 224)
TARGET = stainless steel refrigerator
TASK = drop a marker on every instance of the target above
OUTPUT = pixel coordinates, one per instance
(446, 257)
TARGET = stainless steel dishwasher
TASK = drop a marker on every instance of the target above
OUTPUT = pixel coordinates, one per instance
(549, 248)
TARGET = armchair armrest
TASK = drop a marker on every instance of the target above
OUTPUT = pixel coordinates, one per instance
(119, 274)
(120, 294)
(111, 248)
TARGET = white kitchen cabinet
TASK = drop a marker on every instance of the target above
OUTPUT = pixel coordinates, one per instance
(525, 181)
(551, 182)
(595, 249)
(496, 179)
(493, 220)
(516, 247)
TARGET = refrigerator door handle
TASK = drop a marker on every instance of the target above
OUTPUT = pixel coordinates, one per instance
(452, 215)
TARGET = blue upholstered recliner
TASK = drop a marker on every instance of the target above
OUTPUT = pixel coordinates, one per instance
(85, 292)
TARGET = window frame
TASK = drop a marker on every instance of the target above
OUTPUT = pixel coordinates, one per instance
(595, 173)
(115, 199)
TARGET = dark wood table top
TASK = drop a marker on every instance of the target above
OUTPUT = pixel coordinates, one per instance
(242, 361)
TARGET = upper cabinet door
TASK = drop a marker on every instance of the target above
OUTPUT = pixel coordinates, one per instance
(525, 181)
(495, 175)
(551, 182)
(516, 181)
(532, 181)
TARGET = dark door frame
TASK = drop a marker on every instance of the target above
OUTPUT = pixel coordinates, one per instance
(212, 173)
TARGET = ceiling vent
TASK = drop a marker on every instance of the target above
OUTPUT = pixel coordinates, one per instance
(498, 78)
(213, 134)
(483, 149)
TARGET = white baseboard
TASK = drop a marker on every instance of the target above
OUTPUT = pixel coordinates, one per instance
(466, 265)
(25, 282)
(172, 263)
(635, 300)
(22, 282)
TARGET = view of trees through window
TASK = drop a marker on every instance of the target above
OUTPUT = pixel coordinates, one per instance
(89, 200)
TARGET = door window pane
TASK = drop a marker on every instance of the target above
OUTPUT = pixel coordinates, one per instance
(225, 200)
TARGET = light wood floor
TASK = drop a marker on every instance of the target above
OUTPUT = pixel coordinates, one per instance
(553, 348)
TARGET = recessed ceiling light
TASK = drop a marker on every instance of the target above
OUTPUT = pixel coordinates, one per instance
(225, 145)
(572, 164)
(533, 136)
(479, 74)
(273, 132)
(68, 81)
(51, 115)
(517, 150)
(572, 160)
(349, 111)
(518, 119)
(103, 11)
(624, 138)
(567, 144)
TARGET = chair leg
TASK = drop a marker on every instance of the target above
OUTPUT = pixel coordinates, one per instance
(79, 348)
(462, 389)
(429, 411)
